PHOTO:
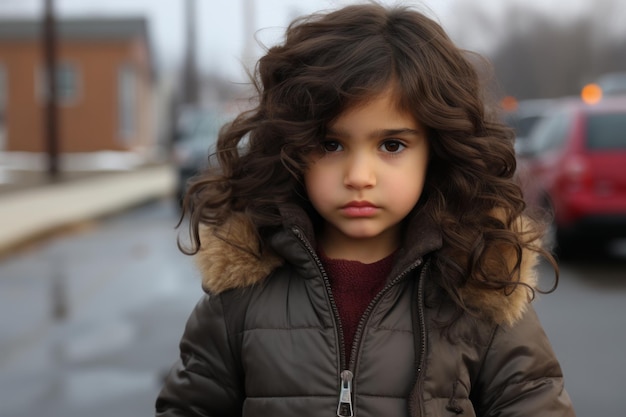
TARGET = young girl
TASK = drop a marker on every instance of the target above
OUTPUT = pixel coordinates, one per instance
(363, 243)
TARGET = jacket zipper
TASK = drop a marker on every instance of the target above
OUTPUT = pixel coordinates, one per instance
(370, 308)
(344, 408)
(366, 316)
(329, 295)
(422, 329)
(345, 395)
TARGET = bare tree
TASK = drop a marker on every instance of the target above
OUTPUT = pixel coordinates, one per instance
(535, 55)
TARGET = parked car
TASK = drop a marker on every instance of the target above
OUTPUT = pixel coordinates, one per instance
(195, 139)
(612, 83)
(524, 117)
(575, 165)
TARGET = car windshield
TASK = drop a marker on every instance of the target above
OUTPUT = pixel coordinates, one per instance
(524, 125)
(606, 131)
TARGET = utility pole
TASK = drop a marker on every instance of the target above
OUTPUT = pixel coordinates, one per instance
(51, 128)
(190, 71)
(249, 22)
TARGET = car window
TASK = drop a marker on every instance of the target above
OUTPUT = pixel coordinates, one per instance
(551, 133)
(522, 125)
(525, 125)
(606, 131)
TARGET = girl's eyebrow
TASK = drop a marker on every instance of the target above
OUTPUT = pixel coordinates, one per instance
(376, 133)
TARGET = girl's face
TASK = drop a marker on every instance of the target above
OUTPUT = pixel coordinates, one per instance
(366, 178)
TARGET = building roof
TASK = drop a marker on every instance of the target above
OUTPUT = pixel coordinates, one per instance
(83, 28)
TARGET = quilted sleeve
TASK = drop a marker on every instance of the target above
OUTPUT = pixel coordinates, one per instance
(521, 375)
(205, 381)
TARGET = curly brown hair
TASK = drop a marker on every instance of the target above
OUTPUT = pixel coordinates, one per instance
(329, 62)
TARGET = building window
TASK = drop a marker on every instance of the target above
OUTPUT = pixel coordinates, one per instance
(3, 106)
(127, 102)
(3, 91)
(67, 83)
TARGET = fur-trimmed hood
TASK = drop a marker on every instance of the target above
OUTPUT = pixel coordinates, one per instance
(231, 257)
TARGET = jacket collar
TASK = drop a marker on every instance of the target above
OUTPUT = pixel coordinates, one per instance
(231, 256)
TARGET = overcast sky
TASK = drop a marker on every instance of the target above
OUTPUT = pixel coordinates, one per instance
(222, 34)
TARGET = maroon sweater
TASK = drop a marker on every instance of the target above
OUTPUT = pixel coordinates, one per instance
(354, 286)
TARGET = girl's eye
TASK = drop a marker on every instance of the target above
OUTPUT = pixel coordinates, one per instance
(331, 146)
(392, 146)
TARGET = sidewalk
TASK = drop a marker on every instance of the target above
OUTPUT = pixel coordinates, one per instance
(38, 210)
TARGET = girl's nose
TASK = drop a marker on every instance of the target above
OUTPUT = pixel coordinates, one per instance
(359, 173)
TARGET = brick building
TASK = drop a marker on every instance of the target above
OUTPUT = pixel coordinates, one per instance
(105, 85)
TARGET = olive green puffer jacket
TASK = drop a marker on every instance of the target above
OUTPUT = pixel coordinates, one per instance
(266, 340)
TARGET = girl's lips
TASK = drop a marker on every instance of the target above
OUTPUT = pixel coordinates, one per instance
(359, 204)
(359, 209)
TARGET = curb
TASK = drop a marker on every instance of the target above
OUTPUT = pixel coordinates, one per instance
(34, 213)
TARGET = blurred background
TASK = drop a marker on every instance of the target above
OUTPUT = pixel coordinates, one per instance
(94, 293)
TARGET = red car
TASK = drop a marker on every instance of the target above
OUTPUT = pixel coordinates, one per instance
(574, 163)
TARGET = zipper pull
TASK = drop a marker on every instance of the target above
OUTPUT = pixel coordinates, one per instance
(345, 395)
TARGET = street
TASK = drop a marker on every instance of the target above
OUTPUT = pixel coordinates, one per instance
(125, 291)
(90, 320)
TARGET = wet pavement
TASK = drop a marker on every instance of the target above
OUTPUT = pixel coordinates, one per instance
(89, 322)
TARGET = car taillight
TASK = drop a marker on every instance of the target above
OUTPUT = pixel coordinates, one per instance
(575, 174)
